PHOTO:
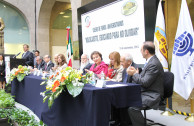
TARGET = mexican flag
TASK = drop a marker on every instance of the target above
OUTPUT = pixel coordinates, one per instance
(69, 47)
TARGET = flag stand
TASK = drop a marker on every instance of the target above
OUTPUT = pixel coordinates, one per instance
(191, 118)
(167, 111)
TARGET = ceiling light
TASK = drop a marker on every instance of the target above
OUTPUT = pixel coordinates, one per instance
(66, 16)
(62, 13)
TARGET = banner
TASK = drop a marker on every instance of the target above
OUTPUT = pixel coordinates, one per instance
(183, 57)
(160, 39)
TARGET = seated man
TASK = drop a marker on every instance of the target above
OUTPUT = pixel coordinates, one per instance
(126, 62)
(121, 115)
(151, 80)
(48, 63)
(39, 62)
(85, 63)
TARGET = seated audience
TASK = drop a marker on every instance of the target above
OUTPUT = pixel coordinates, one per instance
(39, 63)
(151, 80)
(2, 72)
(115, 69)
(48, 63)
(98, 65)
(28, 56)
(85, 63)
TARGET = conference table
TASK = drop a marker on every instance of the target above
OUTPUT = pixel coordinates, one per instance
(91, 108)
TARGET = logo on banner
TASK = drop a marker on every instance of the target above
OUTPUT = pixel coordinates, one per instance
(87, 21)
(161, 37)
(129, 7)
(183, 44)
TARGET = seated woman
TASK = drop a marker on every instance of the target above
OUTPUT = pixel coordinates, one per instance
(115, 69)
(98, 65)
(61, 62)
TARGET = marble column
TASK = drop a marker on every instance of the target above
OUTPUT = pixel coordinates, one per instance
(1, 42)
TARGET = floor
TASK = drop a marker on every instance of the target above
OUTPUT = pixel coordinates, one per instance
(154, 115)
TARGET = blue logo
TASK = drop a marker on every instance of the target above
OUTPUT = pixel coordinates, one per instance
(183, 44)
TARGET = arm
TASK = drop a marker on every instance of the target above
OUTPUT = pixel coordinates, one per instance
(147, 79)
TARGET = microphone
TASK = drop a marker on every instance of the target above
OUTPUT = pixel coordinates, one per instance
(16, 55)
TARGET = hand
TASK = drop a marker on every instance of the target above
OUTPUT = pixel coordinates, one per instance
(131, 71)
(87, 70)
(1, 73)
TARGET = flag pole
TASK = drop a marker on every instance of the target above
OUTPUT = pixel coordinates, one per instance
(167, 111)
(191, 118)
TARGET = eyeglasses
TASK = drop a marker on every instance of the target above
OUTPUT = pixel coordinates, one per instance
(83, 58)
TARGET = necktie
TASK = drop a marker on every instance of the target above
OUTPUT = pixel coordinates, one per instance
(145, 64)
(45, 66)
(125, 79)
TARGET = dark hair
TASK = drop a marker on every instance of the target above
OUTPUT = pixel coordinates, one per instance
(2, 55)
(37, 51)
(26, 45)
(148, 45)
(96, 52)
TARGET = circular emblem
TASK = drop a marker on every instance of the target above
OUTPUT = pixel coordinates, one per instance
(129, 7)
(87, 21)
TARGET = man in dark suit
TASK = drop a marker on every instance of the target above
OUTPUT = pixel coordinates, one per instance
(127, 61)
(151, 80)
(28, 56)
(121, 114)
(40, 64)
(48, 63)
(85, 63)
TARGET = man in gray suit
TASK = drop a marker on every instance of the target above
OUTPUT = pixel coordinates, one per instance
(151, 80)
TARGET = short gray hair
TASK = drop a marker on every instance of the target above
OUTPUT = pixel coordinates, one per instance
(85, 55)
(128, 57)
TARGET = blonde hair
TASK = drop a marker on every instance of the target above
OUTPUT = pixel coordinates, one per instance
(116, 57)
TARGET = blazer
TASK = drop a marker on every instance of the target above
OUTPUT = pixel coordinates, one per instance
(2, 68)
(119, 75)
(29, 57)
(86, 67)
(40, 66)
(129, 78)
(151, 80)
(47, 68)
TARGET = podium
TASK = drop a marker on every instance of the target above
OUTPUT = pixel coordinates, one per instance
(14, 63)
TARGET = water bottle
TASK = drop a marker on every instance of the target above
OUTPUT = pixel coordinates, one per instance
(102, 76)
(93, 82)
(103, 79)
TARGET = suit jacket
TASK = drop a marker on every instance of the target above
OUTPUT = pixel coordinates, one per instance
(129, 78)
(40, 66)
(50, 65)
(86, 67)
(29, 57)
(2, 68)
(151, 80)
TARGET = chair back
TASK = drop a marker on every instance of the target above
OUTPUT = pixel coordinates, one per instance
(168, 84)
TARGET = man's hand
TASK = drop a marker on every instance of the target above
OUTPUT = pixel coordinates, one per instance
(131, 71)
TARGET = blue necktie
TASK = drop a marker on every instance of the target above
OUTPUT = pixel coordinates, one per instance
(125, 79)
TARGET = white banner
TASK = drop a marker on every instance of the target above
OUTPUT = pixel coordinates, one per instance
(118, 26)
(183, 56)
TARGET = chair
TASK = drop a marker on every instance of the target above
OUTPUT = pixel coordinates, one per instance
(168, 91)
